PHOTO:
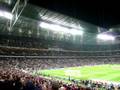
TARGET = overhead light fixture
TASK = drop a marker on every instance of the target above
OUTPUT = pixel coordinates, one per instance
(105, 37)
(20, 30)
(6, 15)
(29, 32)
(76, 32)
(53, 27)
(59, 28)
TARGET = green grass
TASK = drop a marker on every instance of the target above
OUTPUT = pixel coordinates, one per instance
(100, 72)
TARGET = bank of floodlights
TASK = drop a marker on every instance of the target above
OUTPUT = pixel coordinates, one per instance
(105, 37)
(6, 14)
(59, 28)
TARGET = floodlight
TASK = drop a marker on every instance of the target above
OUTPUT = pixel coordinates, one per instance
(54, 27)
(20, 30)
(6, 15)
(105, 37)
(29, 32)
(59, 28)
(76, 32)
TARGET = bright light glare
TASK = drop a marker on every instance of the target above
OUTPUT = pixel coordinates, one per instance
(29, 32)
(6, 15)
(53, 27)
(59, 28)
(105, 37)
(76, 32)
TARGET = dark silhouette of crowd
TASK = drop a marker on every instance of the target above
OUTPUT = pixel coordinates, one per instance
(14, 79)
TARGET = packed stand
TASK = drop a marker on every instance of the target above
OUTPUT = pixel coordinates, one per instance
(32, 64)
(15, 79)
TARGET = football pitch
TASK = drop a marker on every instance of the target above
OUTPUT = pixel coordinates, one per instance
(97, 72)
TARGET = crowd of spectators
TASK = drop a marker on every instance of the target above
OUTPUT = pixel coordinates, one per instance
(32, 64)
(15, 79)
(22, 51)
(102, 85)
(15, 71)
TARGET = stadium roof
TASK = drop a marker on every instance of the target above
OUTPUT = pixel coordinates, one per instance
(99, 12)
(32, 15)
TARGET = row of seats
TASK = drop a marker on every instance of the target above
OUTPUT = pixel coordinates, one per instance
(18, 51)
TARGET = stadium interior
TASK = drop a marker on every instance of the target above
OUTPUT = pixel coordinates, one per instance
(33, 39)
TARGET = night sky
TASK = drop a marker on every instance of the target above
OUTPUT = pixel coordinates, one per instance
(103, 13)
